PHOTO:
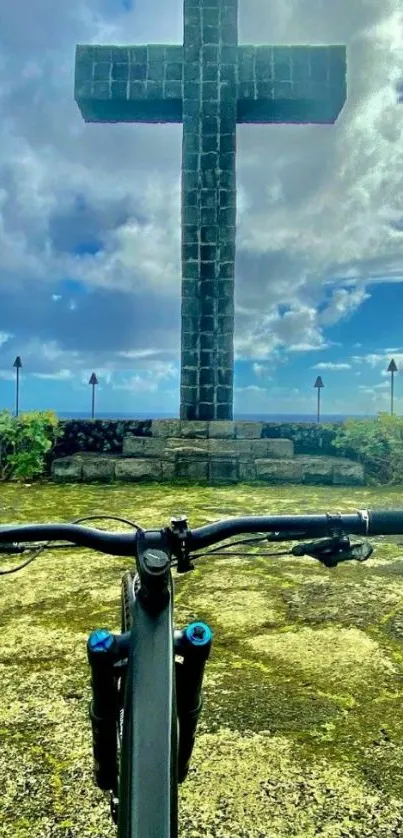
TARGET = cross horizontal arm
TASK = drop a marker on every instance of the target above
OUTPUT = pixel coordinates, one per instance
(296, 84)
(129, 84)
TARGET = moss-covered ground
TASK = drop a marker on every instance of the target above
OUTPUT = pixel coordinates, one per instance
(302, 728)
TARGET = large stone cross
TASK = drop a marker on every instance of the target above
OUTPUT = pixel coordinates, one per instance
(210, 84)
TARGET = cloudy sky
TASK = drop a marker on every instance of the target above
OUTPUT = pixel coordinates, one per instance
(89, 221)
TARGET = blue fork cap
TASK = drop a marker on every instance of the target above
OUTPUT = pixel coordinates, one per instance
(100, 640)
(199, 634)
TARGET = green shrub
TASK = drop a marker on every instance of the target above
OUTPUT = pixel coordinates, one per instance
(24, 443)
(377, 444)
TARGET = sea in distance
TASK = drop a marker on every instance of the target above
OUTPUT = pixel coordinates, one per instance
(249, 417)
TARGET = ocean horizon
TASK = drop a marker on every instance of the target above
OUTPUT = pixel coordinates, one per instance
(240, 417)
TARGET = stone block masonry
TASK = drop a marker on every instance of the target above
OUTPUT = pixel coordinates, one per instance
(208, 208)
(210, 84)
(207, 452)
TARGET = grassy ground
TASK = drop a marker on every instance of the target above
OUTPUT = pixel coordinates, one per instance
(302, 731)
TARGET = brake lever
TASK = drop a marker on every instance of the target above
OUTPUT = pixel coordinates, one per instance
(332, 551)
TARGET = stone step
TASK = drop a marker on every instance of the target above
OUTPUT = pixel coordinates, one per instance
(170, 448)
(197, 429)
(325, 471)
(311, 470)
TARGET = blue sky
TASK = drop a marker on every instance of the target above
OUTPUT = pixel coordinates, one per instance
(89, 222)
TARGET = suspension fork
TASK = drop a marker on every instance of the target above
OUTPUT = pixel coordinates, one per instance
(106, 652)
(193, 645)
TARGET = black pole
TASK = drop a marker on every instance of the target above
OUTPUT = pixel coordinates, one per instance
(17, 364)
(392, 368)
(93, 381)
(318, 385)
(17, 395)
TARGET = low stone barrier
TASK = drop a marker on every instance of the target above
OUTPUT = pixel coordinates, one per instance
(212, 452)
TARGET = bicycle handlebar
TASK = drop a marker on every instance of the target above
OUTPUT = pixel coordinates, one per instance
(366, 522)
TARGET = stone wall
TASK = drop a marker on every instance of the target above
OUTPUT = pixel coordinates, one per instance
(201, 451)
(106, 436)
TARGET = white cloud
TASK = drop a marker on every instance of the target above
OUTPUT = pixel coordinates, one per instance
(378, 359)
(155, 245)
(138, 384)
(330, 365)
(384, 385)
(308, 347)
(61, 375)
(342, 303)
(296, 330)
(4, 337)
(252, 388)
(140, 353)
(338, 230)
(150, 379)
(261, 371)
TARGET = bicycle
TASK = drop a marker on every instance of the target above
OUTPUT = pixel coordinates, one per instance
(147, 682)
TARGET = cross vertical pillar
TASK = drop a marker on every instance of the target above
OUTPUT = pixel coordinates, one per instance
(208, 208)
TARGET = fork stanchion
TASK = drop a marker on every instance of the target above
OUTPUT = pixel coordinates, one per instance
(104, 649)
(102, 708)
(193, 644)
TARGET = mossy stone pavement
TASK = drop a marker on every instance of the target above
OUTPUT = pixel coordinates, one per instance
(301, 732)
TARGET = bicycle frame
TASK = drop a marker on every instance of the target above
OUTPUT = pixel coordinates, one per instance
(162, 703)
(148, 803)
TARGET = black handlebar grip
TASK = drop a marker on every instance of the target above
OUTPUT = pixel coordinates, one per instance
(385, 522)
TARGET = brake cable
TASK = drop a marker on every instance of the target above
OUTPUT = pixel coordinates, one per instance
(223, 551)
(18, 548)
(278, 536)
(329, 551)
